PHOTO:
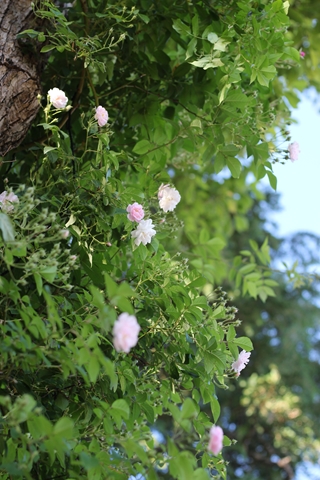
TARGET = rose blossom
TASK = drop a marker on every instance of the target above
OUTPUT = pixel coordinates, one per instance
(143, 233)
(101, 115)
(168, 198)
(125, 332)
(294, 151)
(58, 98)
(7, 200)
(242, 361)
(162, 189)
(135, 212)
(64, 233)
(216, 438)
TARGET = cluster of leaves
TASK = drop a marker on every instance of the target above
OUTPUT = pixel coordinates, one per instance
(189, 92)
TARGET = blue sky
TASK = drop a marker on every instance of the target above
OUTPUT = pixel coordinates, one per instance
(299, 182)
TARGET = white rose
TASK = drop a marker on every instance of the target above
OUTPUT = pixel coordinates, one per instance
(144, 232)
(58, 98)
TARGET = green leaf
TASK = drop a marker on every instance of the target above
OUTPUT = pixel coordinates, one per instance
(47, 48)
(189, 409)
(272, 180)
(48, 149)
(111, 288)
(181, 27)
(213, 362)
(8, 257)
(195, 25)
(122, 408)
(237, 99)
(7, 228)
(207, 62)
(64, 428)
(144, 18)
(231, 333)
(229, 149)
(219, 162)
(244, 343)
(234, 166)
(181, 466)
(93, 368)
(221, 45)
(28, 33)
(200, 474)
(142, 147)
(38, 281)
(19, 251)
(204, 236)
(212, 37)
(48, 273)
(215, 408)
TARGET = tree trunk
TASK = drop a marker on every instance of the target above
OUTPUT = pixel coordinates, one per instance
(19, 75)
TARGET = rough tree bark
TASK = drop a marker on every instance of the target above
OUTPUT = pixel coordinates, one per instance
(19, 75)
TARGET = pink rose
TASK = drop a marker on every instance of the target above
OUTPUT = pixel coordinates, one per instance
(58, 98)
(7, 200)
(125, 332)
(64, 233)
(294, 151)
(242, 361)
(216, 440)
(135, 212)
(101, 115)
(162, 189)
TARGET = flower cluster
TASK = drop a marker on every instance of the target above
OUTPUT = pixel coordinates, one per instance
(168, 199)
(7, 200)
(125, 332)
(102, 116)
(58, 98)
(294, 151)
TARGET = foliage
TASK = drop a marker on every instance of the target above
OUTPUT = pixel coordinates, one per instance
(192, 92)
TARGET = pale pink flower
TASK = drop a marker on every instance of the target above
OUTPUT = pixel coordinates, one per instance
(294, 151)
(58, 98)
(161, 190)
(242, 361)
(168, 198)
(135, 212)
(64, 233)
(7, 200)
(302, 54)
(216, 440)
(125, 332)
(101, 115)
(144, 232)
